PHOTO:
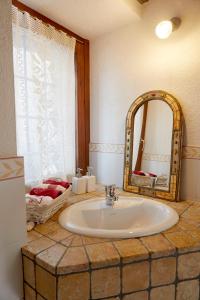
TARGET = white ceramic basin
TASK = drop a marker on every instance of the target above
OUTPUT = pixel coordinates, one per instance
(130, 217)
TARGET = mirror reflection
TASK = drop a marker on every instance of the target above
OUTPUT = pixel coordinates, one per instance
(152, 144)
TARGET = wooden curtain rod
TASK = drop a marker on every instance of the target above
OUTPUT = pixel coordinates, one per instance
(24, 8)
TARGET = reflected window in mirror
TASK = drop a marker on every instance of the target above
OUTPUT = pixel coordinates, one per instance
(151, 158)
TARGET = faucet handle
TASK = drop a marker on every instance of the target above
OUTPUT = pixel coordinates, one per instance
(110, 186)
(110, 189)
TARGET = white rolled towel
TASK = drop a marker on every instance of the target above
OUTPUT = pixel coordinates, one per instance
(38, 200)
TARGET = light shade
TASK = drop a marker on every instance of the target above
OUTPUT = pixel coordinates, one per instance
(164, 29)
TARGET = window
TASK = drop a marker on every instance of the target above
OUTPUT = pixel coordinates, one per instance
(45, 98)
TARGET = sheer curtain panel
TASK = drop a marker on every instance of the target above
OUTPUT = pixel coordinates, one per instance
(45, 97)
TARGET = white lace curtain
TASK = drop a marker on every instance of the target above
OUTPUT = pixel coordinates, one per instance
(45, 98)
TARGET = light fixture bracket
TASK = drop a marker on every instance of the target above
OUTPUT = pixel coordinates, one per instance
(176, 22)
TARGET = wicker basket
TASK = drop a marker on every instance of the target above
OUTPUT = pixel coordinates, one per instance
(40, 214)
(143, 181)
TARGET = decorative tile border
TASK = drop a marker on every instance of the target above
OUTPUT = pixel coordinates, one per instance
(189, 152)
(157, 157)
(107, 148)
(11, 167)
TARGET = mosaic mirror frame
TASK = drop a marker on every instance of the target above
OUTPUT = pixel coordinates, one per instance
(176, 150)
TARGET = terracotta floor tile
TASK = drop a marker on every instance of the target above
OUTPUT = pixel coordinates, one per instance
(67, 242)
(193, 219)
(113, 298)
(35, 247)
(174, 228)
(195, 208)
(77, 241)
(40, 297)
(195, 233)
(163, 293)
(45, 284)
(137, 296)
(131, 250)
(189, 266)
(195, 203)
(49, 258)
(192, 212)
(57, 214)
(30, 294)
(185, 224)
(47, 227)
(163, 271)
(87, 240)
(180, 207)
(105, 282)
(59, 234)
(74, 287)
(158, 245)
(183, 241)
(29, 271)
(74, 260)
(188, 290)
(103, 254)
(33, 235)
(135, 277)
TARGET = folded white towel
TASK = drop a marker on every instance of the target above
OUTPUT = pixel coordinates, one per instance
(51, 186)
(162, 180)
(38, 200)
(30, 226)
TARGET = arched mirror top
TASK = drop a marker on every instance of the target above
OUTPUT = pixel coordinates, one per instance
(156, 95)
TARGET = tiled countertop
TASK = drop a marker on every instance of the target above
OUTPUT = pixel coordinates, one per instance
(60, 252)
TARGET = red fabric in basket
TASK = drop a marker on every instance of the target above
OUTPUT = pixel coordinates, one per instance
(45, 192)
(152, 175)
(65, 184)
(141, 173)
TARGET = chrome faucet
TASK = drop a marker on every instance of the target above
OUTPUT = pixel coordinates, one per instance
(111, 196)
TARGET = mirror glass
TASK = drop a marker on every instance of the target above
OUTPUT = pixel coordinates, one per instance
(152, 145)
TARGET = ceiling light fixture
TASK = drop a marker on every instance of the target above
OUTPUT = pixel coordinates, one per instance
(164, 29)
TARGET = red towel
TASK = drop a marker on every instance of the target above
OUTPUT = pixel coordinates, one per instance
(65, 184)
(141, 173)
(45, 192)
(152, 174)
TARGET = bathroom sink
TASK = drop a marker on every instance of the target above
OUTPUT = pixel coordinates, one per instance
(129, 217)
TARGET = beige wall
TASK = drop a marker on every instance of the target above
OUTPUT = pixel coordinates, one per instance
(131, 61)
(12, 203)
(7, 108)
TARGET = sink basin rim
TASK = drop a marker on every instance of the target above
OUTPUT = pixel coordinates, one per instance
(119, 233)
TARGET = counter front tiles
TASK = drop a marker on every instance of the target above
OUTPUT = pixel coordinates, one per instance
(60, 265)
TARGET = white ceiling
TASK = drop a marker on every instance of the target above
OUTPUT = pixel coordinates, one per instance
(88, 18)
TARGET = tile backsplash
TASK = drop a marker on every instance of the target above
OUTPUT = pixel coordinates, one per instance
(189, 152)
(11, 167)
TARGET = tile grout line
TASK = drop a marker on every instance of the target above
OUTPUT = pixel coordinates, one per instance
(23, 273)
(120, 270)
(56, 270)
(90, 272)
(176, 281)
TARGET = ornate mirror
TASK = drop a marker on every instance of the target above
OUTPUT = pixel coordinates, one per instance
(153, 146)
